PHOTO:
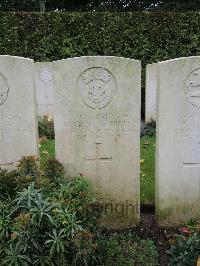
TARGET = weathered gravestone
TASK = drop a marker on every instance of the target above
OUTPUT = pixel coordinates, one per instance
(150, 93)
(97, 129)
(44, 88)
(18, 127)
(178, 140)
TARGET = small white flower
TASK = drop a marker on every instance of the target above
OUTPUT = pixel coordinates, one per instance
(49, 118)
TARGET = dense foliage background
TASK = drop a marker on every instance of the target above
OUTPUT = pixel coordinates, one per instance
(100, 5)
(149, 37)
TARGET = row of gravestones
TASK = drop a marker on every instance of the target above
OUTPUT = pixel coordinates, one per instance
(151, 87)
(97, 130)
(44, 88)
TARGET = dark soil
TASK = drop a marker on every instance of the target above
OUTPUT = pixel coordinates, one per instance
(149, 229)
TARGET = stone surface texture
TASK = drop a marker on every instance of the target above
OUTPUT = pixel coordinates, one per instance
(97, 128)
(44, 88)
(150, 93)
(178, 141)
(18, 125)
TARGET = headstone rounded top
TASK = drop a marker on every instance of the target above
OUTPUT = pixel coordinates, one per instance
(97, 87)
(4, 89)
(192, 85)
(179, 60)
(18, 58)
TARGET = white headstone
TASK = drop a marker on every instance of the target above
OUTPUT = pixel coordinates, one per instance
(178, 141)
(44, 88)
(18, 125)
(150, 93)
(97, 129)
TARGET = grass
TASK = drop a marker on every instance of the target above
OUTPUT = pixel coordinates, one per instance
(147, 171)
(147, 176)
(47, 149)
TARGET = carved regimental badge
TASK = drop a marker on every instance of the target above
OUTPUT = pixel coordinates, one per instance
(192, 84)
(46, 75)
(97, 87)
(4, 89)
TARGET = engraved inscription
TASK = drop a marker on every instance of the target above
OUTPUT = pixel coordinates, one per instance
(4, 89)
(192, 84)
(97, 87)
(97, 126)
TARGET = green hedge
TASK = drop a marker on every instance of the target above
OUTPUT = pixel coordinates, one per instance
(149, 37)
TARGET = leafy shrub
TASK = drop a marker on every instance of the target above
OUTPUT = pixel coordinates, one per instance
(5, 220)
(27, 171)
(8, 183)
(52, 221)
(29, 166)
(46, 127)
(78, 197)
(126, 249)
(185, 251)
(48, 228)
(54, 170)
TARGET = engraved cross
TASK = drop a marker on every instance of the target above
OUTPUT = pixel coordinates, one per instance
(193, 164)
(195, 95)
(98, 159)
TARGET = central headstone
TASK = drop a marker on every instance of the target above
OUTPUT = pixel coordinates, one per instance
(18, 125)
(97, 129)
